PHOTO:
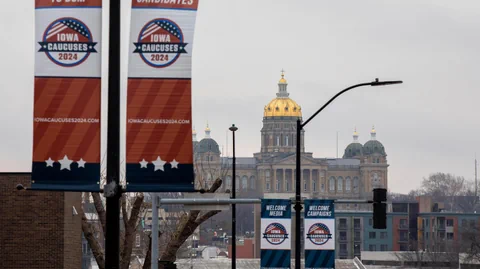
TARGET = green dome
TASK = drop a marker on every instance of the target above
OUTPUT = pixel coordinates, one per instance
(373, 146)
(355, 149)
(207, 145)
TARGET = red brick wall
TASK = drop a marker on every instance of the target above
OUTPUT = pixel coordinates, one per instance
(33, 233)
(246, 251)
(396, 233)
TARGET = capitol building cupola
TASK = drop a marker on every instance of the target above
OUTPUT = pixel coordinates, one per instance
(279, 122)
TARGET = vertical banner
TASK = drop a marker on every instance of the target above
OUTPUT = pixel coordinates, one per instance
(66, 126)
(275, 242)
(159, 99)
(319, 234)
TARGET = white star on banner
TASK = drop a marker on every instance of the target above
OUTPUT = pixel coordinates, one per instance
(143, 164)
(81, 163)
(49, 162)
(174, 164)
(65, 163)
(159, 164)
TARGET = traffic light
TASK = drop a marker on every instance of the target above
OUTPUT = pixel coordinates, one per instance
(379, 208)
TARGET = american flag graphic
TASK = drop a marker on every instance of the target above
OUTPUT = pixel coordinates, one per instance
(162, 27)
(66, 26)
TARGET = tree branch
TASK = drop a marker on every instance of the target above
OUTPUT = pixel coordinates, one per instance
(102, 215)
(88, 232)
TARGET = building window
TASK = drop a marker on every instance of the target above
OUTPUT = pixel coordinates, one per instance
(340, 184)
(331, 184)
(403, 247)
(322, 187)
(403, 236)
(372, 248)
(286, 140)
(277, 186)
(464, 223)
(343, 223)
(348, 184)
(372, 235)
(449, 222)
(449, 236)
(472, 223)
(355, 185)
(356, 250)
(244, 182)
(383, 247)
(287, 185)
(356, 224)
(229, 182)
(252, 183)
(383, 235)
(426, 235)
(314, 185)
(304, 186)
(403, 223)
(137, 241)
(343, 236)
(357, 236)
(278, 140)
(343, 249)
(370, 221)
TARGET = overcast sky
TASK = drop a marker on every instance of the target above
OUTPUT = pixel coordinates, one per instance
(428, 124)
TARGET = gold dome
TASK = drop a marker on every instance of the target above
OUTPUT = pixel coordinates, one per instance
(282, 107)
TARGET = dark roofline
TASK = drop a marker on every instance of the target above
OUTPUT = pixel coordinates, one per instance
(15, 173)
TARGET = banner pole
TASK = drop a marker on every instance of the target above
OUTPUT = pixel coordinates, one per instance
(112, 189)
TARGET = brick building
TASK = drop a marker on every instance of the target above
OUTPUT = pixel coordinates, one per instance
(38, 229)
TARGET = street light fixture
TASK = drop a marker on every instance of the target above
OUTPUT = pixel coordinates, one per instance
(300, 125)
(233, 129)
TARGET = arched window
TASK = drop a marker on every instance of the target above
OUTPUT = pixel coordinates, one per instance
(331, 184)
(244, 182)
(348, 184)
(229, 182)
(237, 183)
(253, 184)
(356, 187)
(340, 184)
(286, 140)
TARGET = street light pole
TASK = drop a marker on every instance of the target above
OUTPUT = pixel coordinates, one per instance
(298, 205)
(234, 207)
(112, 189)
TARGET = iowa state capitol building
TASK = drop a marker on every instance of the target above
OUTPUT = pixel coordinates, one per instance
(271, 171)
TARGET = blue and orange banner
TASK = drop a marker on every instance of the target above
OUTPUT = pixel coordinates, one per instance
(159, 117)
(319, 233)
(66, 125)
(275, 241)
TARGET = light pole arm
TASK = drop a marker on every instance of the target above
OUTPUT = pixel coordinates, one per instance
(331, 100)
(373, 83)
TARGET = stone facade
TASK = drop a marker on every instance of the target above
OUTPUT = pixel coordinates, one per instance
(38, 228)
